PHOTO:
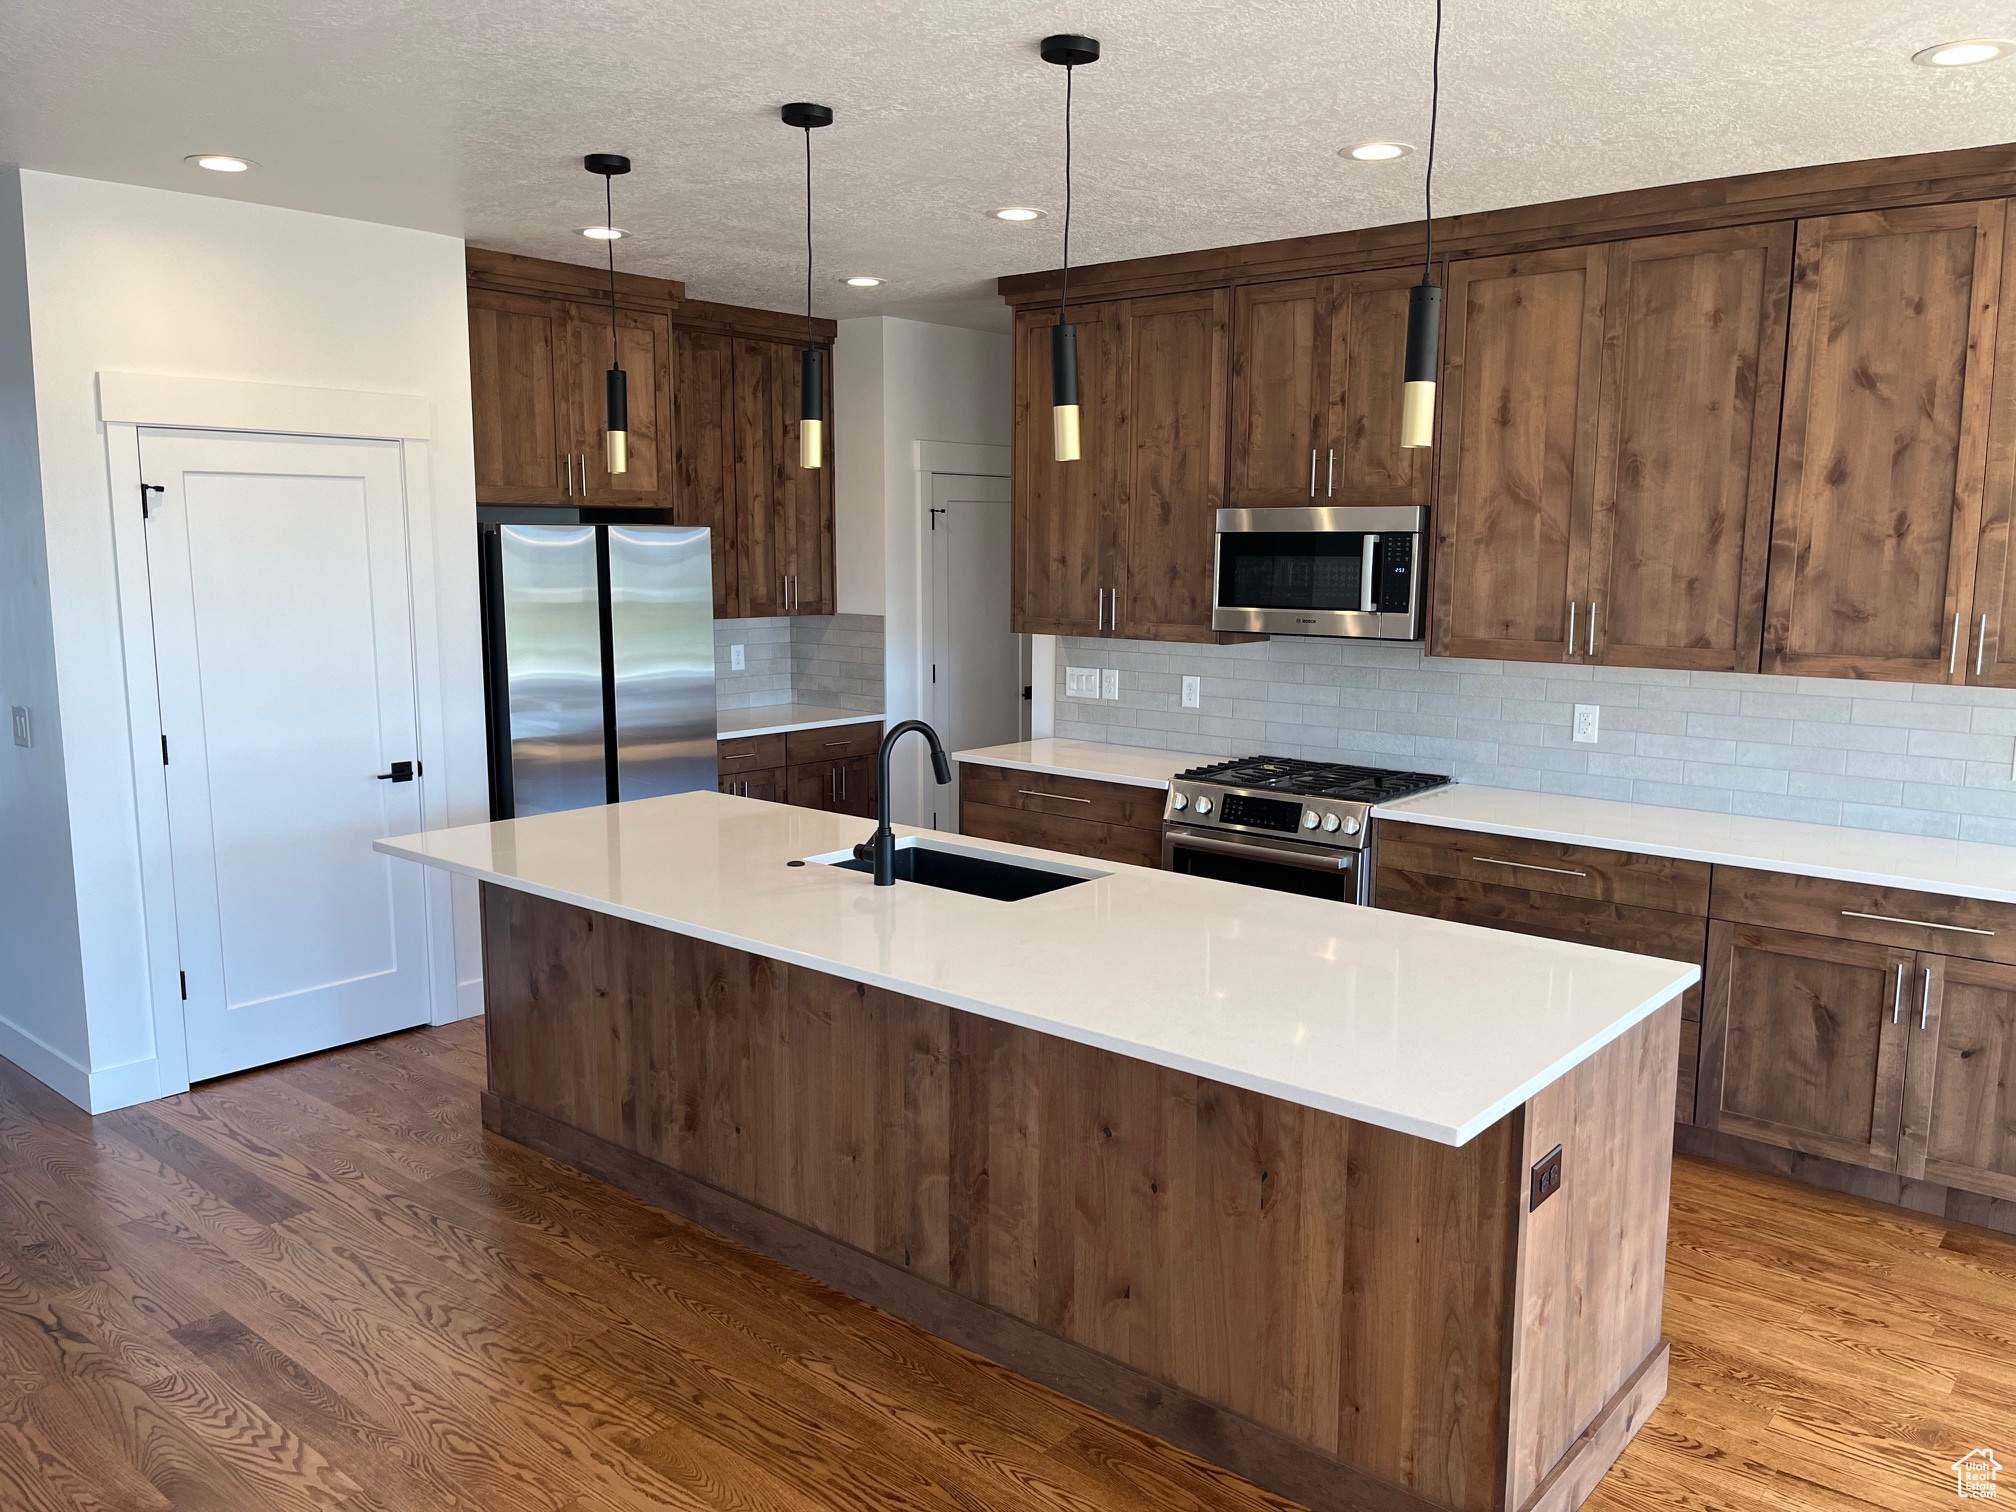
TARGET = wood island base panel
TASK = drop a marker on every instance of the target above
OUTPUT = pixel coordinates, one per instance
(1348, 1315)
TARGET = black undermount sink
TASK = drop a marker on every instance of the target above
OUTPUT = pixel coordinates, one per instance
(965, 871)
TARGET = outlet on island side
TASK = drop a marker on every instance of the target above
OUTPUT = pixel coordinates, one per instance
(1585, 723)
(1193, 692)
(1546, 1177)
(737, 662)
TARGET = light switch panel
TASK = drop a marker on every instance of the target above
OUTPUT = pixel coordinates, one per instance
(1585, 723)
(1109, 683)
(1193, 692)
(1081, 682)
(24, 734)
(737, 660)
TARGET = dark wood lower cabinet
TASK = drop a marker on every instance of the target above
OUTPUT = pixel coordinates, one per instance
(1105, 821)
(834, 769)
(1960, 1103)
(1352, 1317)
(843, 786)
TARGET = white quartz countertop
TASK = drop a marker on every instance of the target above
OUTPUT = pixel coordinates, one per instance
(1133, 765)
(1961, 868)
(779, 719)
(1431, 1028)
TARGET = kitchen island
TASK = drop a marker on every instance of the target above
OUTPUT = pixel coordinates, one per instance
(1368, 1208)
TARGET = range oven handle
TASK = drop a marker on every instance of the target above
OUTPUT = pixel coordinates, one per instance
(1255, 849)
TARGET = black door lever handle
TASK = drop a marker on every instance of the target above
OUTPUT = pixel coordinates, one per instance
(402, 771)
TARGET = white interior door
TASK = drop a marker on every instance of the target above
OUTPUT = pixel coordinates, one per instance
(284, 642)
(973, 687)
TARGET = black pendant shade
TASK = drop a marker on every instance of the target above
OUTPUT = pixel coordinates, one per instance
(1068, 51)
(616, 458)
(806, 117)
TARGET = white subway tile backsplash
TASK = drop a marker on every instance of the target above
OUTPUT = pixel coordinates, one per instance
(834, 660)
(1892, 756)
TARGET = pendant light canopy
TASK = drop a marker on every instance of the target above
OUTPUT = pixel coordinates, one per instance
(1424, 300)
(617, 455)
(811, 363)
(1069, 52)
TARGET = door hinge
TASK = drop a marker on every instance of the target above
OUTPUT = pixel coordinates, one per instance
(146, 489)
(185, 984)
(164, 750)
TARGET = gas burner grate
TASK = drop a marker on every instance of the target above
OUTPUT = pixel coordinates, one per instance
(1314, 779)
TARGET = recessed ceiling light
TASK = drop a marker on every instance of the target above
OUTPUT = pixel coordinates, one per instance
(1961, 54)
(1019, 213)
(1376, 152)
(218, 162)
(603, 233)
(864, 282)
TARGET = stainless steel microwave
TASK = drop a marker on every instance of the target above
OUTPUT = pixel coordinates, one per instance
(1318, 571)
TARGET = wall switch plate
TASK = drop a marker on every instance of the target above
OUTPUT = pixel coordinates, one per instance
(1081, 682)
(1585, 722)
(24, 734)
(1546, 1177)
(737, 659)
(1193, 692)
(1109, 683)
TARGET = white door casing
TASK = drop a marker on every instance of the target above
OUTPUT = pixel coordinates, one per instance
(277, 570)
(975, 662)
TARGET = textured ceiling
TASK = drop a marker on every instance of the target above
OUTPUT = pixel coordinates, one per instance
(1208, 121)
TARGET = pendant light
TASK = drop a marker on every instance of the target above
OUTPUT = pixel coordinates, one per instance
(811, 364)
(1424, 300)
(1069, 52)
(617, 455)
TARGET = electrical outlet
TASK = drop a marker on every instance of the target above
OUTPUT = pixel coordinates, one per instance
(24, 735)
(1109, 683)
(1585, 723)
(1193, 692)
(1546, 1177)
(737, 660)
(1081, 682)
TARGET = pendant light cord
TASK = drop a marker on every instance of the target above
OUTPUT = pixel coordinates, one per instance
(609, 224)
(1428, 178)
(808, 236)
(1064, 293)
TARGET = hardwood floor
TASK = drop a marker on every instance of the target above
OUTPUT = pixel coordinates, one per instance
(321, 1285)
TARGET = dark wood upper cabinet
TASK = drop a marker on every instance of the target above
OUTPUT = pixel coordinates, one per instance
(519, 402)
(764, 546)
(703, 452)
(1176, 356)
(1686, 449)
(644, 342)
(1804, 1040)
(1991, 655)
(1364, 462)
(1883, 458)
(1518, 435)
(1280, 385)
(1068, 515)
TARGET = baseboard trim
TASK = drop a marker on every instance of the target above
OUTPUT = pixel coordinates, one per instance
(48, 1065)
(1269, 1459)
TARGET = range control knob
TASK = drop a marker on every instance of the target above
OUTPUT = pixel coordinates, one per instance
(1179, 803)
(1203, 805)
(1330, 823)
(1309, 819)
(1351, 825)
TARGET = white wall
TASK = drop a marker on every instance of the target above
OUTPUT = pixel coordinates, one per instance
(126, 279)
(909, 381)
(41, 972)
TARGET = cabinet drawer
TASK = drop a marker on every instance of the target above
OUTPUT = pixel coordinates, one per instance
(1118, 803)
(1585, 921)
(1895, 916)
(1572, 871)
(1060, 832)
(833, 743)
(749, 753)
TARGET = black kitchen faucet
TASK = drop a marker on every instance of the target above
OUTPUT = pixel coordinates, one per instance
(881, 847)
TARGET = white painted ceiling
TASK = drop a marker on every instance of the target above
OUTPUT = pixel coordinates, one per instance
(1208, 121)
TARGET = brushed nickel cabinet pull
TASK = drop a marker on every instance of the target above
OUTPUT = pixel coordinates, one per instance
(1060, 797)
(1981, 646)
(1330, 478)
(741, 756)
(1590, 649)
(1559, 871)
(1571, 627)
(1953, 656)
(1897, 997)
(1849, 913)
(1925, 1001)
(1312, 472)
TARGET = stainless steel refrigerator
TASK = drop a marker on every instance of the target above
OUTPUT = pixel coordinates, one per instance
(598, 641)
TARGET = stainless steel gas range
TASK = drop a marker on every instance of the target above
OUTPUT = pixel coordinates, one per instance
(1273, 821)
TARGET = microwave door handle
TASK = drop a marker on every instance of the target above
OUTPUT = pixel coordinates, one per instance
(1368, 575)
